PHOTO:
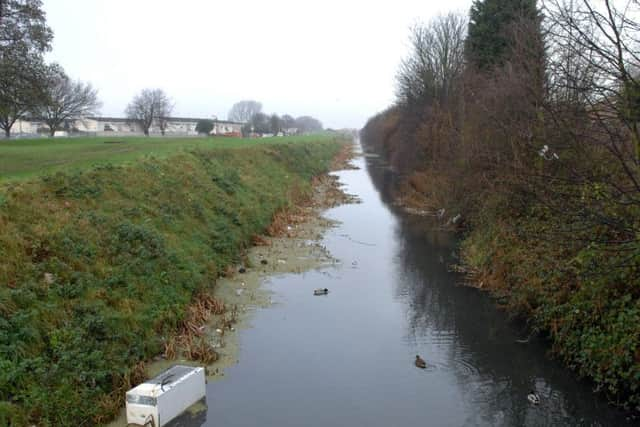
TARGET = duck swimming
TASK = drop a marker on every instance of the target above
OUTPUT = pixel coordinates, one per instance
(420, 363)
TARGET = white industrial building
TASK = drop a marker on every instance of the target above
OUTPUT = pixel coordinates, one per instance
(118, 126)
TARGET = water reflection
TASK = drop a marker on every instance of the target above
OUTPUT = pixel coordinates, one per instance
(347, 358)
(474, 340)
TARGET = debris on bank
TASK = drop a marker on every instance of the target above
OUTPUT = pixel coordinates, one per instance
(209, 333)
(291, 245)
(533, 398)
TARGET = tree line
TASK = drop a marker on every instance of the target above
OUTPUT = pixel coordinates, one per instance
(256, 121)
(523, 116)
(27, 84)
(29, 87)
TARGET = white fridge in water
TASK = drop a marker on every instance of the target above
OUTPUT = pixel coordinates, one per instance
(161, 399)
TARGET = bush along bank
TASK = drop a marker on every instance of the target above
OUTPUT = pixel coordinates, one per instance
(544, 257)
(571, 286)
(99, 267)
(544, 173)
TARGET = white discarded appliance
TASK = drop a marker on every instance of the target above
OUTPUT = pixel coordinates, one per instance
(161, 399)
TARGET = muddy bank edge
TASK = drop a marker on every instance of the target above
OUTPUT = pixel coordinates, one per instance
(100, 267)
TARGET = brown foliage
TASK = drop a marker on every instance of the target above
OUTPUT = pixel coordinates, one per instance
(192, 340)
(258, 240)
(541, 156)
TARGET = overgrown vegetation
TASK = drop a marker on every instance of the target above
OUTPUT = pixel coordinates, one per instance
(99, 265)
(530, 132)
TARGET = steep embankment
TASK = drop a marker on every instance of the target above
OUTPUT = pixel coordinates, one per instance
(545, 248)
(99, 266)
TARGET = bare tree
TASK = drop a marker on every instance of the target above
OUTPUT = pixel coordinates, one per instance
(243, 111)
(287, 121)
(165, 108)
(601, 63)
(308, 124)
(541, 149)
(148, 106)
(436, 59)
(572, 72)
(65, 99)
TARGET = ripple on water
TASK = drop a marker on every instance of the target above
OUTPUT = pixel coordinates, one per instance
(464, 367)
(444, 352)
(442, 337)
(461, 367)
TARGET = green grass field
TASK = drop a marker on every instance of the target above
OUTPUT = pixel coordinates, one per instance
(31, 157)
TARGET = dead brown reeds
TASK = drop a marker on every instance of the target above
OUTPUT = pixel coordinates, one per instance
(342, 161)
(258, 240)
(191, 340)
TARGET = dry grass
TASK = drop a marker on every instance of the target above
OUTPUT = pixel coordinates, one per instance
(286, 218)
(258, 240)
(111, 403)
(342, 161)
(192, 341)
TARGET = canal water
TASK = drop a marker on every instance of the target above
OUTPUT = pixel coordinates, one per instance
(347, 358)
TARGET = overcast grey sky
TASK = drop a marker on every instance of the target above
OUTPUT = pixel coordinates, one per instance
(335, 60)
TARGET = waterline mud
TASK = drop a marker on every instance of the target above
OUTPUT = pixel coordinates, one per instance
(294, 249)
(347, 358)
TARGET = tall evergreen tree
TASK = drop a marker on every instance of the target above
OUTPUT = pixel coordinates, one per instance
(490, 29)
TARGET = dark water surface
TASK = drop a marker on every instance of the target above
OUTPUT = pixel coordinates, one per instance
(347, 358)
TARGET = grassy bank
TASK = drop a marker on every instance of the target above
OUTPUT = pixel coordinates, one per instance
(25, 158)
(99, 264)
